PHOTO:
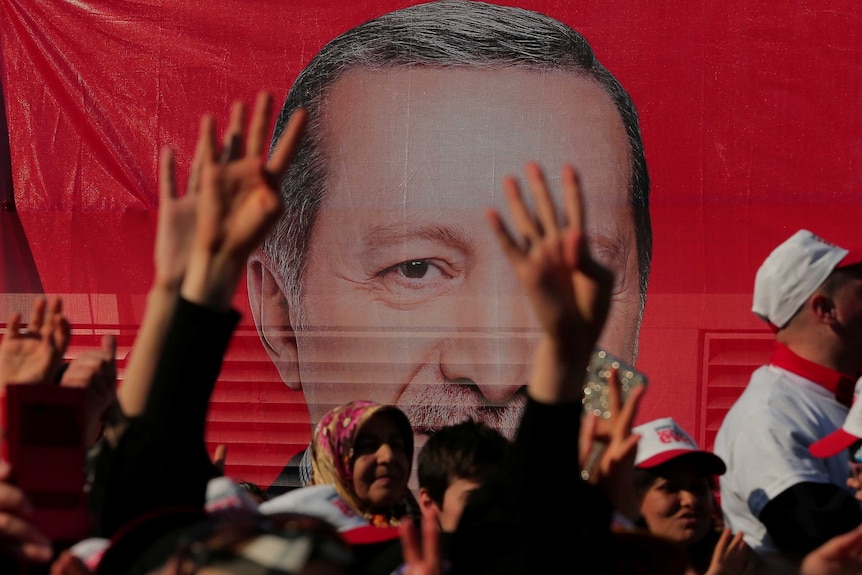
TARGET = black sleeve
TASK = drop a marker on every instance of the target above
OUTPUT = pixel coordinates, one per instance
(161, 458)
(536, 513)
(806, 515)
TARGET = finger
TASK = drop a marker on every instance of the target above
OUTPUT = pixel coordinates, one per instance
(615, 393)
(37, 314)
(721, 545)
(167, 178)
(203, 150)
(108, 367)
(30, 541)
(232, 145)
(13, 328)
(525, 225)
(5, 470)
(844, 544)
(630, 409)
(409, 542)
(431, 539)
(18, 529)
(14, 500)
(545, 208)
(109, 346)
(220, 456)
(572, 199)
(504, 237)
(41, 551)
(586, 438)
(207, 145)
(257, 133)
(737, 544)
(62, 335)
(52, 324)
(288, 144)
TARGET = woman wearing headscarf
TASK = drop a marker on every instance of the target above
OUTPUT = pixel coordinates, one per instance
(361, 455)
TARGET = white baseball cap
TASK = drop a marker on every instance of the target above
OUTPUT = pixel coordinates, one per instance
(324, 501)
(663, 440)
(793, 272)
(843, 437)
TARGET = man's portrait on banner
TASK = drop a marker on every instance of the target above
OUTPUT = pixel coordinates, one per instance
(383, 280)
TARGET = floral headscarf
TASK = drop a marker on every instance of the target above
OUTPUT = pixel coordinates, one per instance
(332, 451)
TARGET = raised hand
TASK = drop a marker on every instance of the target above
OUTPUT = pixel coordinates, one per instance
(732, 556)
(17, 535)
(239, 201)
(841, 555)
(95, 371)
(570, 291)
(176, 224)
(178, 212)
(422, 557)
(175, 234)
(35, 355)
(615, 447)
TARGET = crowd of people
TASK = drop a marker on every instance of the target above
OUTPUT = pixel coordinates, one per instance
(655, 502)
(780, 493)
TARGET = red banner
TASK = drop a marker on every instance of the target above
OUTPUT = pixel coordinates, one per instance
(748, 116)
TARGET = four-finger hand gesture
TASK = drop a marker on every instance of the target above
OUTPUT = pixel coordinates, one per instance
(239, 199)
(569, 291)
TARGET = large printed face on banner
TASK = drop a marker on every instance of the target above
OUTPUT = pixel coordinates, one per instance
(751, 118)
(404, 297)
(407, 299)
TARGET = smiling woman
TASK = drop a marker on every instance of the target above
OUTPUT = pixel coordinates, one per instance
(362, 451)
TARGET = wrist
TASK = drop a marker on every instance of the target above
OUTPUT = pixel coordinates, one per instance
(165, 283)
(211, 282)
(162, 292)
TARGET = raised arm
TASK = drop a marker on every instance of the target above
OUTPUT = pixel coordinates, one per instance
(174, 235)
(512, 522)
(240, 202)
(237, 203)
(95, 371)
(35, 355)
(570, 292)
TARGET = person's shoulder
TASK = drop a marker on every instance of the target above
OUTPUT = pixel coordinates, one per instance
(772, 394)
(753, 400)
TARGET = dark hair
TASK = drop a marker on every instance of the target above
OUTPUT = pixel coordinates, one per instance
(443, 34)
(468, 450)
(644, 478)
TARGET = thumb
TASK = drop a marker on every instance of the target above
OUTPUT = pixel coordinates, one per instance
(109, 346)
(220, 456)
